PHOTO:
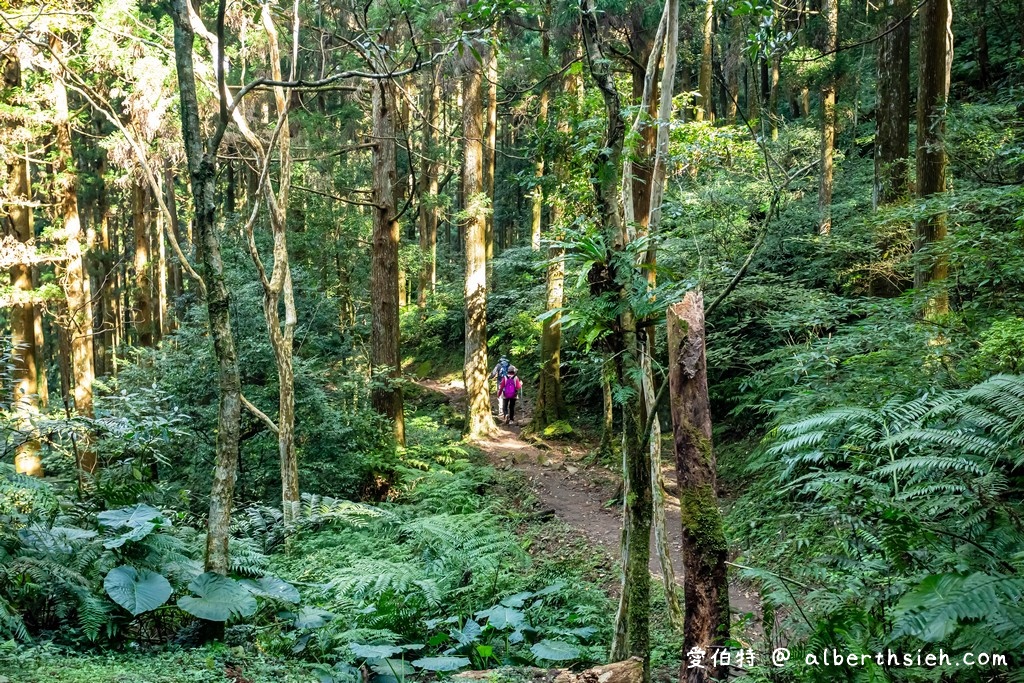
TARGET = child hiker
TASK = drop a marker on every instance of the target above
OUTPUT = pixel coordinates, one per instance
(510, 388)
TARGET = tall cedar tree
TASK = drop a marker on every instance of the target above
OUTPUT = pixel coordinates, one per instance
(934, 63)
(479, 421)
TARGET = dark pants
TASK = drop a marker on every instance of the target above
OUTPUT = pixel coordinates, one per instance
(510, 409)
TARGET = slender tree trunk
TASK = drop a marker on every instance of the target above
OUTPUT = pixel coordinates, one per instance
(706, 585)
(537, 198)
(705, 109)
(981, 33)
(606, 449)
(489, 152)
(171, 199)
(277, 288)
(103, 345)
(160, 282)
(934, 63)
(38, 323)
(77, 291)
(143, 276)
(828, 119)
(479, 421)
(650, 260)
(18, 220)
(631, 636)
(202, 172)
(428, 207)
(386, 395)
(892, 109)
(773, 96)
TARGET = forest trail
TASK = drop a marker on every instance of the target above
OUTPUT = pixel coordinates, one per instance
(578, 493)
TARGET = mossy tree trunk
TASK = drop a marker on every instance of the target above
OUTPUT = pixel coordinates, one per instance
(616, 277)
(706, 621)
(202, 166)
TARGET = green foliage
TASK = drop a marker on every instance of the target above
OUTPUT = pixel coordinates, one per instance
(137, 591)
(897, 528)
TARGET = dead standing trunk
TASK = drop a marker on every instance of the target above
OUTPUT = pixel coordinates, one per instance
(202, 165)
(706, 586)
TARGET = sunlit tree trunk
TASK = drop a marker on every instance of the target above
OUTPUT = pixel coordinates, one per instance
(143, 289)
(202, 164)
(934, 63)
(631, 633)
(18, 221)
(537, 196)
(386, 395)
(892, 108)
(830, 10)
(706, 107)
(479, 421)
(75, 277)
(706, 624)
(489, 153)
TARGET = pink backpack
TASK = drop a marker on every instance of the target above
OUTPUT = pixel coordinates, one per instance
(510, 387)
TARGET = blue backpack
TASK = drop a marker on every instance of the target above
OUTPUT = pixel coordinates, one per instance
(503, 366)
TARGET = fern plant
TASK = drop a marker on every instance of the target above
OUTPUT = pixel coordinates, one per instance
(907, 528)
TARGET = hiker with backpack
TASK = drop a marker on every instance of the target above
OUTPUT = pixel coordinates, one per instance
(499, 373)
(510, 388)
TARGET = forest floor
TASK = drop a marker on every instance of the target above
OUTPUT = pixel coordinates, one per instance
(579, 493)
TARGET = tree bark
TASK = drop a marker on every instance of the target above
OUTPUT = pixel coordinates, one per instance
(830, 10)
(632, 620)
(705, 110)
(386, 395)
(143, 290)
(537, 196)
(489, 152)
(706, 624)
(77, 289)
(892, 108)
(202, 172)
(277, 288)
(427, 216)
(18, 223)
(479, 421)
(934, 62)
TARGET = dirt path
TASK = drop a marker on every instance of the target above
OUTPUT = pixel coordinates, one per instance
(577, 493)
